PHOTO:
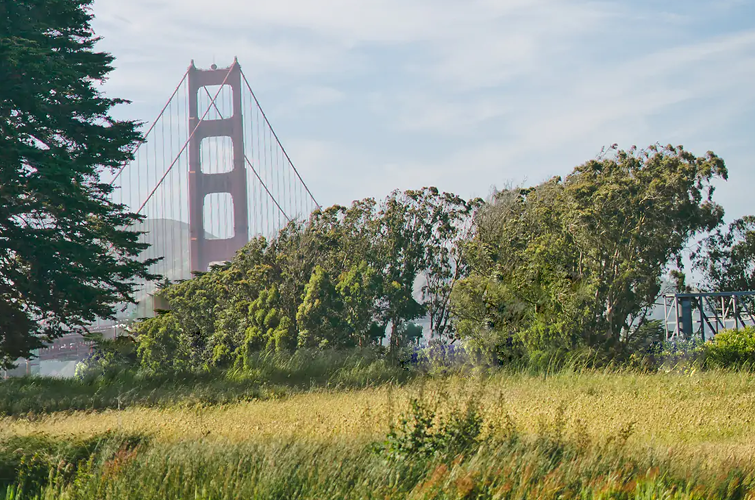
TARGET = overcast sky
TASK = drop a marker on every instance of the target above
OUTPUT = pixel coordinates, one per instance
(372, 95)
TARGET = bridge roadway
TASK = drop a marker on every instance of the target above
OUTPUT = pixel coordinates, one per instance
(73, 347)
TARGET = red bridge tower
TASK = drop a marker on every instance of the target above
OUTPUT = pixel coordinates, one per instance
(234, 182)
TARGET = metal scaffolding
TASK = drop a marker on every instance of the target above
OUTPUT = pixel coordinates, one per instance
(703, 315)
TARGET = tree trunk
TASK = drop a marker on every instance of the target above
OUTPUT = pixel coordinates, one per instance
(394, 341)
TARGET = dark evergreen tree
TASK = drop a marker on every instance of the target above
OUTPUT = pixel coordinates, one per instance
(66, 254)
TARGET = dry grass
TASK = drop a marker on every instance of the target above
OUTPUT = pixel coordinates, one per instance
(707, 414)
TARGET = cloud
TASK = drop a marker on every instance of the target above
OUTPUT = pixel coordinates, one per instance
(309, 96)
(377, 94)
(622, 100)
(438, 113)
(681, 88)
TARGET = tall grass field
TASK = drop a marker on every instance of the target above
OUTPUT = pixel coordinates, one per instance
(575, 434)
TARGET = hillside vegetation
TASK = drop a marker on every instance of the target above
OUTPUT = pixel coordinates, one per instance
(570, 265)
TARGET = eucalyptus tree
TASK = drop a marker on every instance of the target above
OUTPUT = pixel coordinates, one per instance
(726, 257)
(580, 259)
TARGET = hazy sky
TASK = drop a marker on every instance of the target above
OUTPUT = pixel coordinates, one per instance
(372, 95)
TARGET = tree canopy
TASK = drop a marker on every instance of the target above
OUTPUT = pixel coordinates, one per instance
(574, 262)
(66, 254)
(580, 260)
(726, 257)
(341, 279)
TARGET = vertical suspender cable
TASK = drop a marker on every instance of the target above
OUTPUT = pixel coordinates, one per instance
(163, 217)
(261, 164)
(186, 144)
(185, 259)
(172, 217)
(153, 170)
(144, 138)
(277, 140)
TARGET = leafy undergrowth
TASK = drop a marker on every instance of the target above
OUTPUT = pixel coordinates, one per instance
(271, 376)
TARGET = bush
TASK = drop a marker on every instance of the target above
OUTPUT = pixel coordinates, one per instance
(162, 345)
(678, 355)
(732, 349)
(437, 358)
(108, 358)
(422, 434)
(305, 368)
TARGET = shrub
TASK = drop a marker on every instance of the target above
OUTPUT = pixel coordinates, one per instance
(421, 434)
(677, 355)
(305, 368)
(437, 358)
(162, 345)
(732, 349)
(108, 358)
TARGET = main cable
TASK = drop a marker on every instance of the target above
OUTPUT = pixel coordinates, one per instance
(248, 86)
(187, 141)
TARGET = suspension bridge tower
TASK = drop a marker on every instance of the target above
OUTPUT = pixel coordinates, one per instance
(232, 182)
(209, 175)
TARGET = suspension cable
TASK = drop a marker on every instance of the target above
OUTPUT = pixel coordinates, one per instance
(276, 138)
(266, 189)
(187, 140)
(144, 138)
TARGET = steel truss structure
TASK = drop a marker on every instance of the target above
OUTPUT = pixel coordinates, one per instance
(703, 315)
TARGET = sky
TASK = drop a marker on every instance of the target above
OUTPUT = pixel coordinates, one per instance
(372, 95)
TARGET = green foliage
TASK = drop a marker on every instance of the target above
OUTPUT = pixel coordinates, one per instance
(727, 257)
(422, 434)
(196, 303)
(442, 224)
(309, 368)
(266, 327)
(163, 345)
(732, 349)
(410, 333)
(579, 260)
(66, 254)
(338, 280)
(320, 315)
(399, 254)
(358, 287)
